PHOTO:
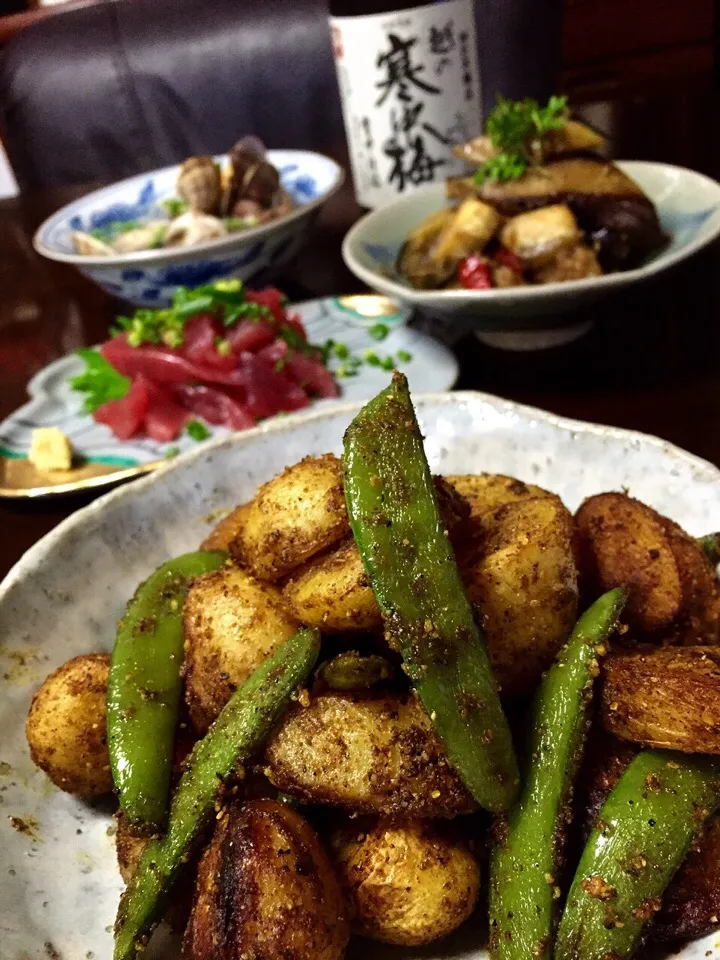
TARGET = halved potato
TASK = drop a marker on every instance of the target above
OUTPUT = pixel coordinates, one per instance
(266, 889)
(366, 754)
(66, 727)
(699, 620)
(295, 515)
(232, 622)
(621, 542)
(664, 697)
(407, 883)
(521, 574)
(538, 235)
(225, 530)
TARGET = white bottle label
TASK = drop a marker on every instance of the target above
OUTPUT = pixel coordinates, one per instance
(410, 88)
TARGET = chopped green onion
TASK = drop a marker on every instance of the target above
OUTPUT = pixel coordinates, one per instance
(341, 351)
(371, 358)
(197, 430)
(404, 356)
(171, 452)
(387, 363)
(378, 331)
(223, 346)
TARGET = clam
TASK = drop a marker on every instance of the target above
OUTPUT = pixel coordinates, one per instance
(90, 246)
(199, 184)
(141, 238)
(191, 228)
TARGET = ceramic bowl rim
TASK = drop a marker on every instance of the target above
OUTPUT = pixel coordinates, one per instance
(659, 262)
(161, 256)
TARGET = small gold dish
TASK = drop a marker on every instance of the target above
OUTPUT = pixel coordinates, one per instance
(20, 479)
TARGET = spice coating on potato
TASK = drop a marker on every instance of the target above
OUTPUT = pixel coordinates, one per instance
(699, 620)
(266, 889)
(294, 515)
(225, 530)
(407, 883)
(664, 697)
(622, 543)
(67, 726)
(232, 623)
(521, 574)
(485, 492)
(366, 754)
(332, 591)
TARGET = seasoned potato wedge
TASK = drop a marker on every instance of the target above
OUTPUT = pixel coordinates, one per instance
(232, 622)
(407, 883)
(266, 889)
(332, 591)
(691, 904)
(664, 697)
(225, 530)
(294, 515)
(522, 576)
(622, 542)
(699, 620)
(486, 491)
(366, 754)
(66, 726)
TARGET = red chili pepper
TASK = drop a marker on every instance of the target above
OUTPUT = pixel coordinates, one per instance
(474, 273)
(508, 259)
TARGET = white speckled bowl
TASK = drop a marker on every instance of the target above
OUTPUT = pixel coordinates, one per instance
(60, 885)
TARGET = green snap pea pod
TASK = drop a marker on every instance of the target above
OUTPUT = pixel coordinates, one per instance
(643, 833)
(408, 558)
(525, 862)
(710, 544)
(245, 721)
(145, 686)
(351, 670)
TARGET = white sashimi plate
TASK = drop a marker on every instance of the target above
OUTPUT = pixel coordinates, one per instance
(59, 883)
(104, 460)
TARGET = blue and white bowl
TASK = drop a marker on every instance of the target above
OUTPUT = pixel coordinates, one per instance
(149, 278)
(687, 202)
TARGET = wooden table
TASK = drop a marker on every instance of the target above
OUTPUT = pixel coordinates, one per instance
(651, 362)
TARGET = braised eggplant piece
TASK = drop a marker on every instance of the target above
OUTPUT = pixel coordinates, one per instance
(574, 137)
(608, 205)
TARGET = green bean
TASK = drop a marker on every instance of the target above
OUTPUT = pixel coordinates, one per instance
(710, 544)
(527, 857)
(351, 670)
(145, 687)
(643, 833)
(408, 558)
(245, 721)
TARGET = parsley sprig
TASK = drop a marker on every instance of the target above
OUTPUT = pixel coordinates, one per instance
(516, 128)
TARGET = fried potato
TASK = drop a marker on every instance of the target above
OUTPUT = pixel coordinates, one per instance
(521, 574)
(66, 726)
(699, 620)
(332, 591)
(225, 530)
(293, 516)
(664, 697)
(232, 622)
(691, 904)
(622, 542)
(486, 491)
(266, 889)
(407, 883)
(365, 754)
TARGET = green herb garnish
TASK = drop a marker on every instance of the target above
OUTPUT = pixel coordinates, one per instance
(174, 206)
(341, 351)
(404, 356)
(108, 233)
(197, 430)
(100, 381)
(171, 452)
(387, 363)
(516, 128)
(371, 358)
(234, 224)
(378, 331)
